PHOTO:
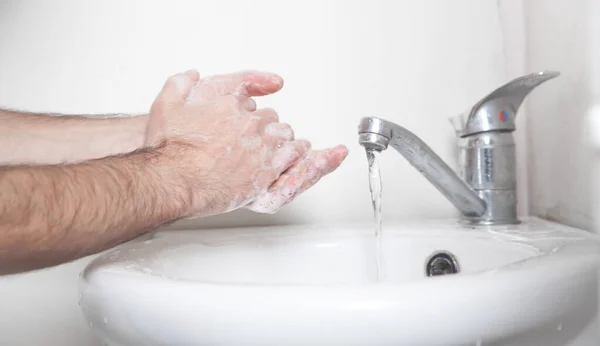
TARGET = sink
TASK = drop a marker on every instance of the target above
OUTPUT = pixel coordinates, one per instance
(529, 284)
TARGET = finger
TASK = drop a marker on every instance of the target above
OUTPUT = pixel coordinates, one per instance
(282, 132)
(271, 201)
(311, 169)
(321, 164)
(267, 117)
(289, 154)
(247, 103)
(247, 83)
(327, 161)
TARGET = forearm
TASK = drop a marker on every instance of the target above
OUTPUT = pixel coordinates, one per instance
(54, 214)
(29, 138)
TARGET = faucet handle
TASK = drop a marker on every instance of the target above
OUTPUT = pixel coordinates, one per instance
(497, 111)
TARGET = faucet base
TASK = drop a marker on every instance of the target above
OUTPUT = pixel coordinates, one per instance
(501, 208)
(489, 222)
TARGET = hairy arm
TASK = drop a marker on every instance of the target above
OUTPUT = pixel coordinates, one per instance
(54, 214)
(31, 138)
(208, 151)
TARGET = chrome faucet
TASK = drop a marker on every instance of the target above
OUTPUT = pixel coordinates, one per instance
(485, 191)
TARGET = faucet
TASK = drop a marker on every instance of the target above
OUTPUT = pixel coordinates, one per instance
(485, 191)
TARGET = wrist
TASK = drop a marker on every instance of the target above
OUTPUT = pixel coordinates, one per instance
(138, 128)
(174, 175)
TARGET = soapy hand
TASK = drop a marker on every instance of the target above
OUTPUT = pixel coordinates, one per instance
(224, 152)
(298, 179)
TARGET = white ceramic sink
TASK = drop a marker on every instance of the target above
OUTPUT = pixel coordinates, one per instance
(531, 284)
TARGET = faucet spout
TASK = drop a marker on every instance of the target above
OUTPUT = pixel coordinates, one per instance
(377, 134)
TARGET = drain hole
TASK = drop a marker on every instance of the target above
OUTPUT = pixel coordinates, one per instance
(441, 263)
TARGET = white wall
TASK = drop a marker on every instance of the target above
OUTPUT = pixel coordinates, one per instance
(593, 120)
(415, 63)
(592, 26)
(41, 308)
(558, 155)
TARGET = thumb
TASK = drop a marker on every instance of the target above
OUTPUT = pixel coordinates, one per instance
(173, 93)
(177, 87)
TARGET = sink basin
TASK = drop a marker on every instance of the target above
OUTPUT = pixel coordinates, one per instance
(528, 284)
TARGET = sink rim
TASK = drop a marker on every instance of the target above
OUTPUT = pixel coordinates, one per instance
(577, 247)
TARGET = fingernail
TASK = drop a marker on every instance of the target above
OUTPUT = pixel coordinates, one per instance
(307, 144)
(271, 76)
(193, 74)
(340, 147)
(276, 79)
(341, 150)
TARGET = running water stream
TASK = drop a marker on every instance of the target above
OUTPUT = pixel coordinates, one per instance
(375, 186)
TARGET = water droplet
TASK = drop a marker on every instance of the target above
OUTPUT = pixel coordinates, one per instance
(105, 320)
(148, 242)
(91, 324)
(559, 327)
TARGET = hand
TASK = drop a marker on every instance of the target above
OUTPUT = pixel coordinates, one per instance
(216, 145)
(300, 176)
(241, 156)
